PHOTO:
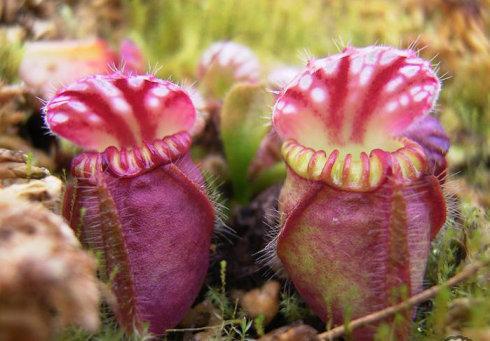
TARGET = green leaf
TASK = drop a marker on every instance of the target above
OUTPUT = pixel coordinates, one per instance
(269, 176)
(242, 128)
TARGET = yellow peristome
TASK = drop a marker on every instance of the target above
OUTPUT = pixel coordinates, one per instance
(354, 177)
(146, 154)
(407, 163)
(302, 160)
(375, 171)
(319, 164)
(337, 170)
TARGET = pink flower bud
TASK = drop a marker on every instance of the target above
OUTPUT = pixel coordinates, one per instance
(223, 64)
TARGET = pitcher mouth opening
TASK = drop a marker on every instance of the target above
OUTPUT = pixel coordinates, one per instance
(132, 161)
(362, 171)
(128, 124)
(343, 118)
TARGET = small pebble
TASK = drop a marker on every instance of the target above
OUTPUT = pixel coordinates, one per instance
(264, 300)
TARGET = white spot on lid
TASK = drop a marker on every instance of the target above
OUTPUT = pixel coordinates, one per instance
(160, 91)
(136, 82)
(318, 95)
(391, 106)
(365, 76)
(428, 88)
(387, 58)
(356, 65)
(420, 96)
(78, 106)
(331, 66)
(409, 70)
(121, 105)
(404, 100)
(280, 105)
(289, 109)
(94, 118)
(415, 89)
(106, 87)
(372, 57)
(152, 102)
(305, 82)
(59, 118)
(394, 84)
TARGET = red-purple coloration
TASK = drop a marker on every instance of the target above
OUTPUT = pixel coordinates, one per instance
(355, 92)
(137, 196)
(429, 133)
(362, 199)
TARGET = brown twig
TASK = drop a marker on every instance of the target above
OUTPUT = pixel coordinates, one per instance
(425, 295)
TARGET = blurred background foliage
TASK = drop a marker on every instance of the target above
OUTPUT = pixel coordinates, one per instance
(175, 33)
(452, 33)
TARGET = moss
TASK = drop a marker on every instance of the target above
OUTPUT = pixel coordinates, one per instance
(468, 238)
(293, 308)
